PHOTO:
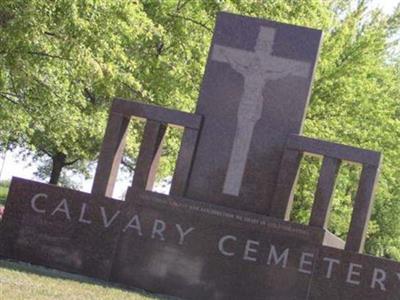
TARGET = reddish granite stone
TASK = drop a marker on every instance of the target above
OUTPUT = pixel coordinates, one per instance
(241, 151)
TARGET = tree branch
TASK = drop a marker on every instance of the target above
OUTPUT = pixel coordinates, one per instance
(128, 165)
(71, 162)
(137, 93)
(180, 5)
(9, 94)
(45, 152)
(47, 55)
(8, 98)
(52, 34)
(88, 94)
(191, 20)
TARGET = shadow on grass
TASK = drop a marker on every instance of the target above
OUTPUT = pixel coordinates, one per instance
(52, 273)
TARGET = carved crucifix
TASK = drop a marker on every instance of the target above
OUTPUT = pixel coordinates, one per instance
(257, 68)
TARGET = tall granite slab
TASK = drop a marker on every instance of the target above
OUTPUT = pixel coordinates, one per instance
(254, 94)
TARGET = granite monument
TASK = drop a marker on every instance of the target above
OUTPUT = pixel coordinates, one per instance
(223, 232)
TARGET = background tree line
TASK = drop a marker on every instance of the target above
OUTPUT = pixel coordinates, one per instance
(61, 62)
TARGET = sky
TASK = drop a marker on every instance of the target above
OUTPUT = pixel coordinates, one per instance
(386, 5)
(11, 164)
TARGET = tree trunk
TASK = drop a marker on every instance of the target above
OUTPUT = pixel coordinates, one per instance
(58, 164)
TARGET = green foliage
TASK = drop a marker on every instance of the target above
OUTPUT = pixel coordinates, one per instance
(4, 185)
(356, 101)
(62, 61)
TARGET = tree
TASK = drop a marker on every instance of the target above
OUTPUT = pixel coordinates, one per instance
(61, 63)
(355, 101)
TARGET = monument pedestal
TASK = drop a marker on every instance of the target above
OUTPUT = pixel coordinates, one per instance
(190, 249)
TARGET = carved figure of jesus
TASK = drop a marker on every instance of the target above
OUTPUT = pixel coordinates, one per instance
(257, 68)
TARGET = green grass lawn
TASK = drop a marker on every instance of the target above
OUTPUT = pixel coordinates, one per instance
(23, 281)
